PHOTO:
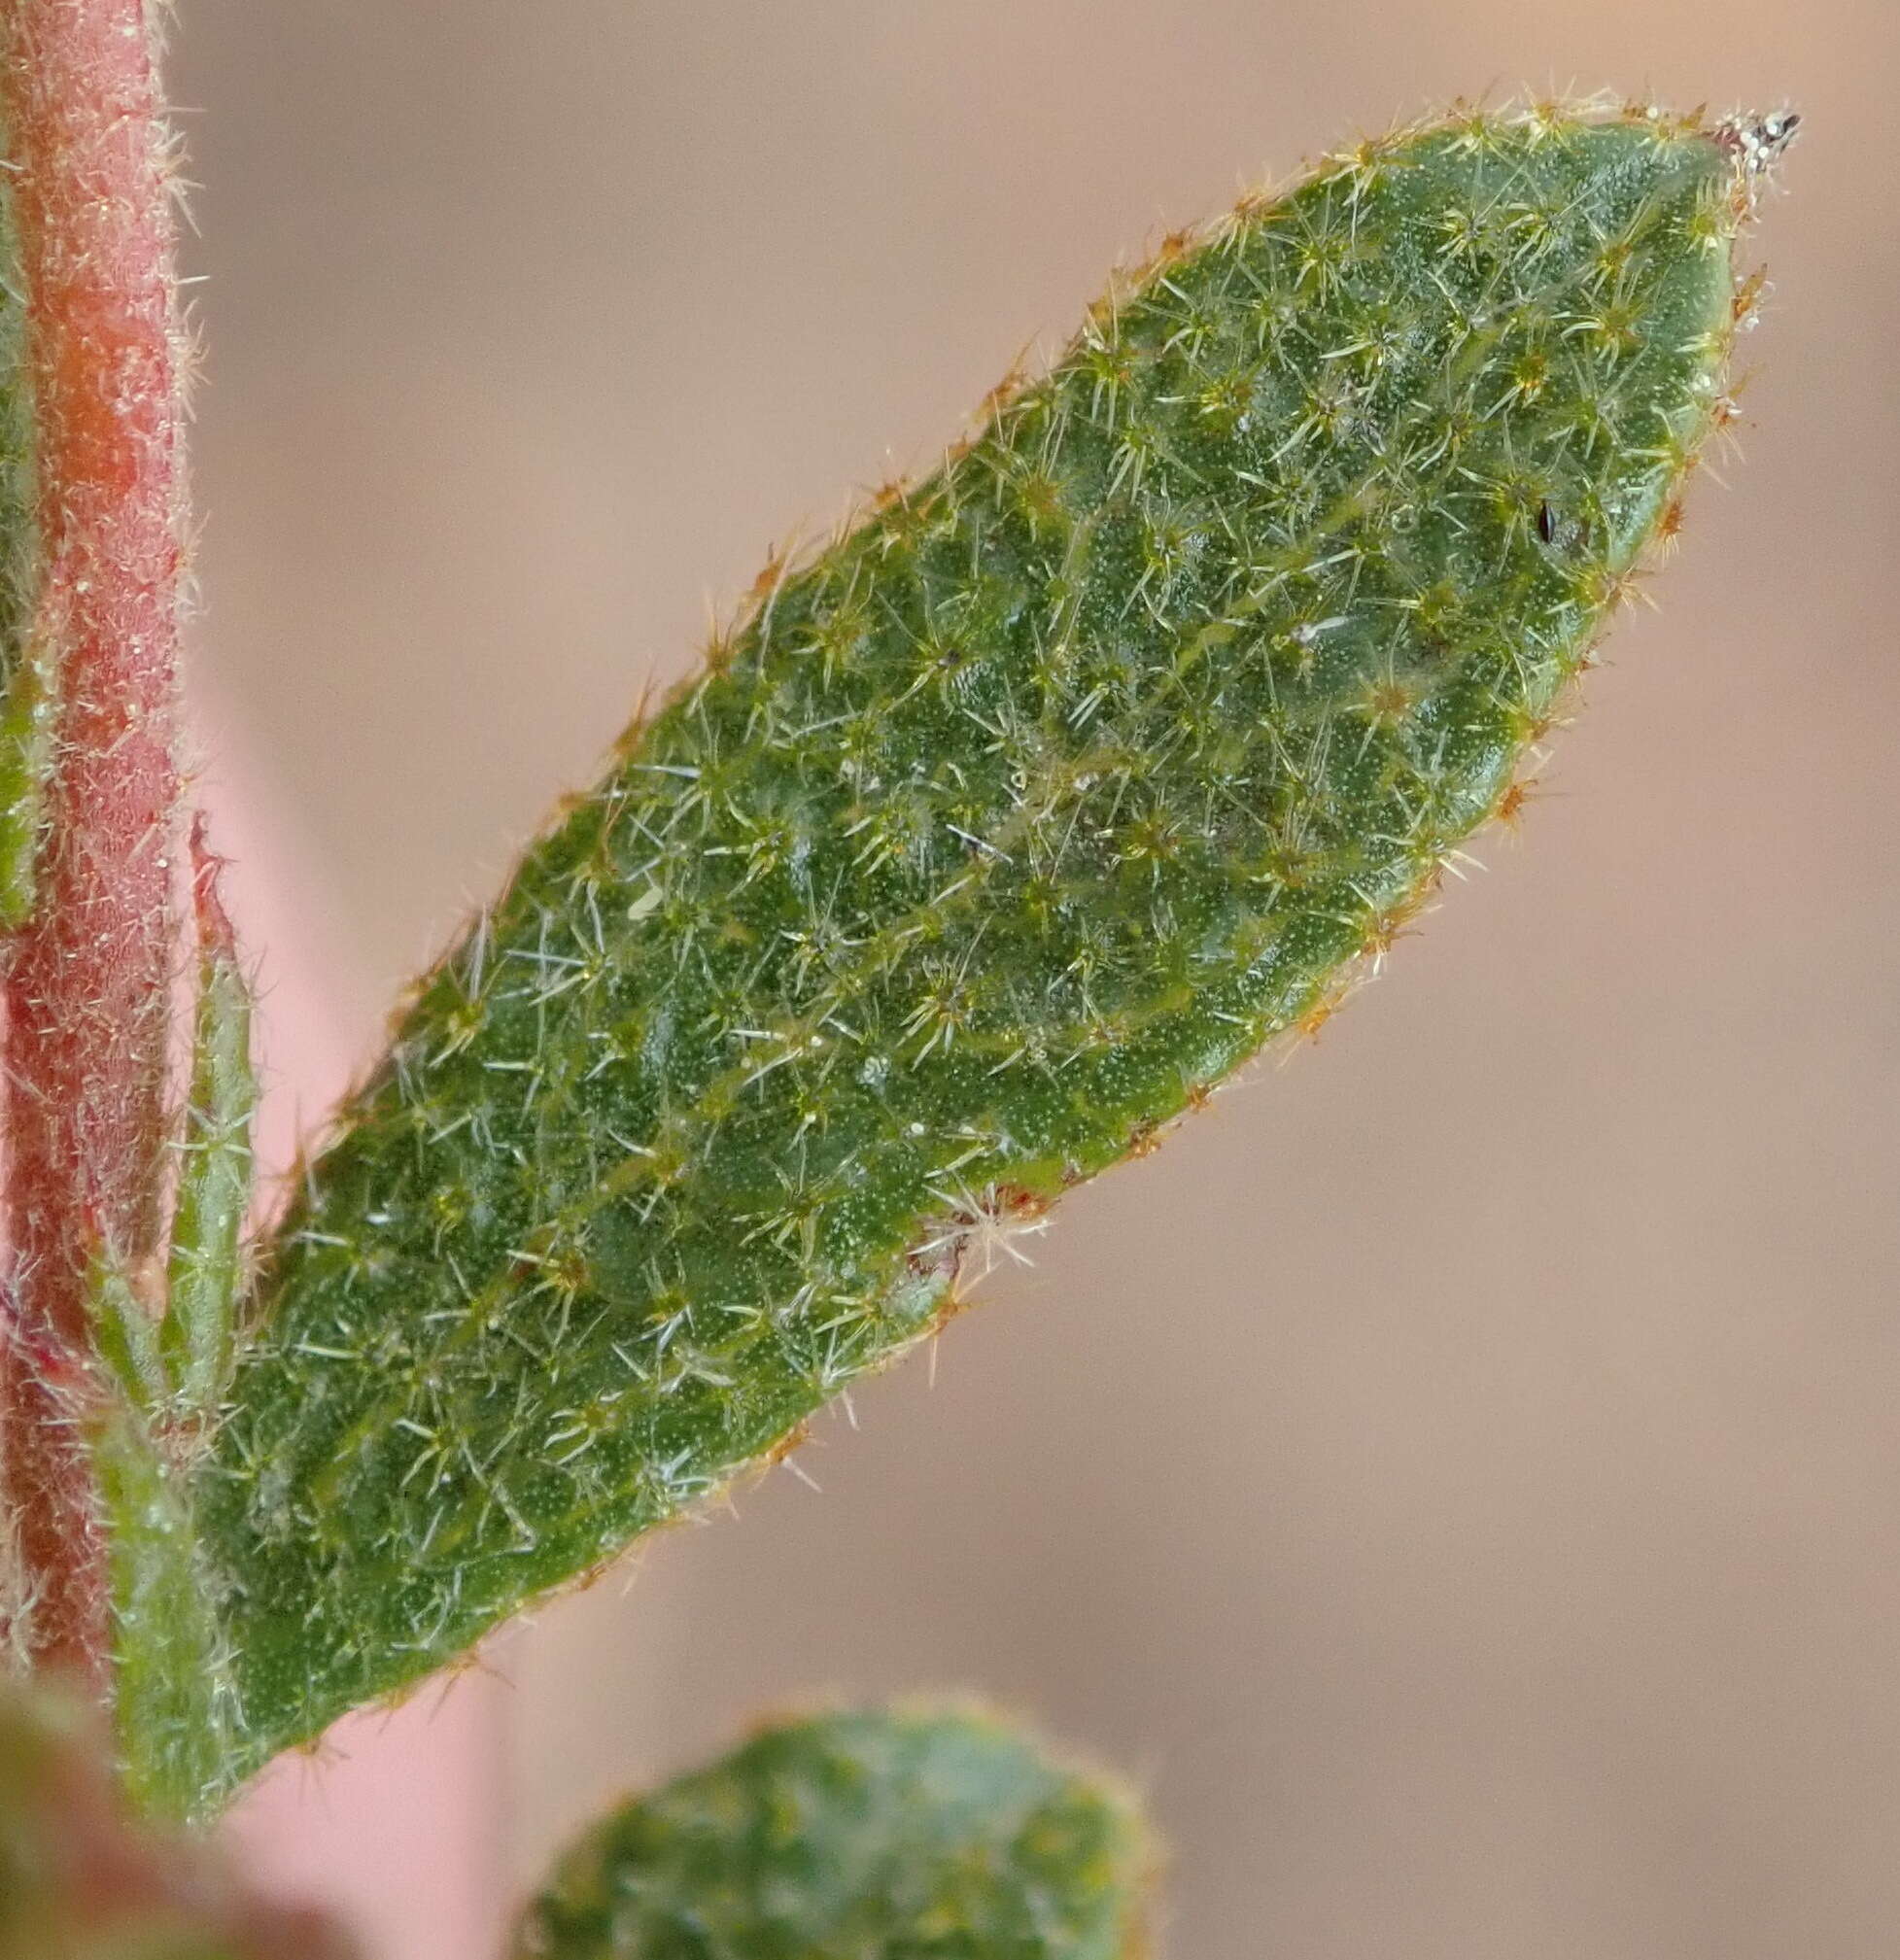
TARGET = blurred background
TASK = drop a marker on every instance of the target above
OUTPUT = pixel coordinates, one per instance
(1460, 1476)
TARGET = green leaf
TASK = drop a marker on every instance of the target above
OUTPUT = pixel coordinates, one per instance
(907, 1836)
(998, 834)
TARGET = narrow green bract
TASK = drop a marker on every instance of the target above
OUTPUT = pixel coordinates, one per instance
(124, 1335)
(929, 1836)
(998, 834)
(165, 1377)
(26, 695)
(172, 1681)
(199, 1333)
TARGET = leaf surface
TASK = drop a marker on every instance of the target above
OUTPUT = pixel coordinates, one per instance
(996, 835)
(868, 1836)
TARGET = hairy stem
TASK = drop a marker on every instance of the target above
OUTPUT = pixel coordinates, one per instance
(88, 979)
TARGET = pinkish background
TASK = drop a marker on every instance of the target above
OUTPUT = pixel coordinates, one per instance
(1461, 1475)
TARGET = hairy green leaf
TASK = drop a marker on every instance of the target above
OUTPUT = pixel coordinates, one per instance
(909, 1835)
(998, 834)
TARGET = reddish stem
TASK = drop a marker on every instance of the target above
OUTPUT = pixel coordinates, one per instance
(88, 982)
